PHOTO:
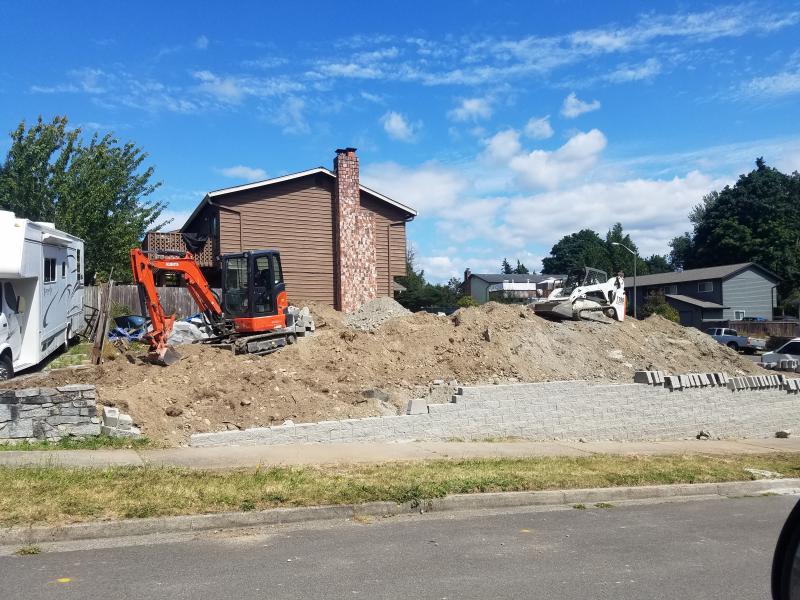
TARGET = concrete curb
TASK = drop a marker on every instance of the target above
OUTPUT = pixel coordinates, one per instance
(235, 520)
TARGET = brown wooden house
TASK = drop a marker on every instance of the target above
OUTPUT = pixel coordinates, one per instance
(332, 249)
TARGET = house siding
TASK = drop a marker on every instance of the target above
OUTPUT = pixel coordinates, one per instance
(296, 217)
(750, 291)
(685, 288)
(479, 290)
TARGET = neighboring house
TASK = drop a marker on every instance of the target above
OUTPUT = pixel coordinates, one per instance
(341, 243)
(712, 294)
(484, 286)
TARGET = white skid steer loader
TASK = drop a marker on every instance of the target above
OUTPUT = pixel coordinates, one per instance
(585, 290)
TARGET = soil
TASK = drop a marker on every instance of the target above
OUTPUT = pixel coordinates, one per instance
(339, 372)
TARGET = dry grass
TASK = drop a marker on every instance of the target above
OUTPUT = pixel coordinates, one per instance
(59, 495)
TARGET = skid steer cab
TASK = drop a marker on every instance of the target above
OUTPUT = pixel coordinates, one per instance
(585, 291)
(252, 315)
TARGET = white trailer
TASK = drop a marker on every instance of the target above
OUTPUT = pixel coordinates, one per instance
(41, 291)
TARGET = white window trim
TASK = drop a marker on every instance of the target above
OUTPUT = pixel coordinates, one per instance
(737, 312)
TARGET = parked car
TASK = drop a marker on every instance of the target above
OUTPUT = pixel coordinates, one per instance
(754, 319)
(789, 351)
(734, 341)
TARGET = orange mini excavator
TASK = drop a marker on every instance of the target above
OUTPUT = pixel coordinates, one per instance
(252, 315)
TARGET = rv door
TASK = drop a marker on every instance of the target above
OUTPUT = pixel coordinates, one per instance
(9, 324)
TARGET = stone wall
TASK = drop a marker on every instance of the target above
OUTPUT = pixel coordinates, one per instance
(564, 410)
(357, 280)
(48, 413)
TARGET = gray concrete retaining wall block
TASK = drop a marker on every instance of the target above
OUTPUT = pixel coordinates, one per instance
(560, 411)
(48, 413)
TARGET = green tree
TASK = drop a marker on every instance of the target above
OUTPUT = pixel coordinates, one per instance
(419, 294)
(582, 249)
(97, 190)
(755, 220)
(657, 264)
(521, 269)
(506, 268)
(656, 304)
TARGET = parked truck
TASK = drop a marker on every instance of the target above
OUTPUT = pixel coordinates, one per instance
(734, 341)
(41, 291)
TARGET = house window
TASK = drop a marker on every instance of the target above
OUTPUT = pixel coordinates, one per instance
(49, 270)
(705, 286)
(668, 289)
(738, 315)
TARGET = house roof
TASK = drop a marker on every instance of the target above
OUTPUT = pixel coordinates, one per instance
(693, 301)
(291, 176)
(721, 272)
(514, 277)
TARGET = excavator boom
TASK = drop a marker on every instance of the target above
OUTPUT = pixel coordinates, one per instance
(143, 267)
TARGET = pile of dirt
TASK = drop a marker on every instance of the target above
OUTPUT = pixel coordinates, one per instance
(341, 372)
(375, 313)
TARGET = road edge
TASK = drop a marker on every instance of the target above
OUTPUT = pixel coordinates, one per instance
(235, 520)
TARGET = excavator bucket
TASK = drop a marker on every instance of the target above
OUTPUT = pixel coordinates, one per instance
(556, 310)
(166, 356)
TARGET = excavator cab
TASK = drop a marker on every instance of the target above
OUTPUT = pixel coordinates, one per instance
(253, 291)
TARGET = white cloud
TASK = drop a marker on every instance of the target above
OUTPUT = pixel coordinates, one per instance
(201, 43)
(646, 70)
(429, 188)
(175, 219)
(502, 146)
(574, 107)
(243, 172)
(539, 128)
(398, 127)
(224, 89)
(471, 109)
(653, 211)
(773, 86)
(370, 97)
(291, 116)
(541, 168)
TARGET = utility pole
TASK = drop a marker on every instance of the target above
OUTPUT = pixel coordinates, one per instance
(635, 260)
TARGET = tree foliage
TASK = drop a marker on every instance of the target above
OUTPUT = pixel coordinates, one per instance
(755, 220)
(97, 190)
(521, 269)
(419, 294)
(505, 267)
(586, 248)
(656, 304)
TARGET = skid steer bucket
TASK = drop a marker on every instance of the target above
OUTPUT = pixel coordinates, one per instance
(556, 310)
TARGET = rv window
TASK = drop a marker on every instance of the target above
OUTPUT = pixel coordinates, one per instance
(11, 297)
(63, 269)
(49, 270)
(79, 265)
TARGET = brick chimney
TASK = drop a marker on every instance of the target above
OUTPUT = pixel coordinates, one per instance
(357, 280)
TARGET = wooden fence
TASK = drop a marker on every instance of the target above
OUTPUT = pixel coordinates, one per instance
(775, 329)
(125, 299)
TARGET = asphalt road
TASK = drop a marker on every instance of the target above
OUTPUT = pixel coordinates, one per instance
(718, 548)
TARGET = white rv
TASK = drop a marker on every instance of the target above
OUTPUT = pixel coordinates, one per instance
(41, 291)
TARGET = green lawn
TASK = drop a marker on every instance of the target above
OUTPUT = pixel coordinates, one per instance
(59, 495)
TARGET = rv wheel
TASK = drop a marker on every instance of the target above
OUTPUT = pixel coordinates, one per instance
(6, 367)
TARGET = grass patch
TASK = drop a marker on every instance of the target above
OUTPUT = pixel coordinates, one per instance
(603, 505)
(90, 443)
(579, 506)
(75, 355)
(28, 551)
(59, 494)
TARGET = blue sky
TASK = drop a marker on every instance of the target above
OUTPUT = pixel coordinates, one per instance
(506, 124)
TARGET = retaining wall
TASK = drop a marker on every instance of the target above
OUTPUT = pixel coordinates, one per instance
(48, 413)
(562, 411)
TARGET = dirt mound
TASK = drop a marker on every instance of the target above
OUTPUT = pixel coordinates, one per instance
(375, 313)
(334, 374)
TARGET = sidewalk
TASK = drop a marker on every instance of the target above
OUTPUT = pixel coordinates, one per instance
(324, 454)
